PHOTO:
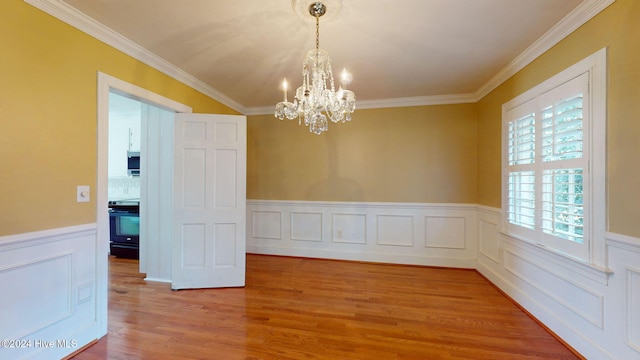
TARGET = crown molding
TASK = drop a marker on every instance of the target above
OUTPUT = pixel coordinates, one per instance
(417, 101)
(262, 110)
(390, 103)
(66, 13)
(576, 18)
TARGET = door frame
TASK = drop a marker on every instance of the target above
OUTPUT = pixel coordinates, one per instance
(107, 83)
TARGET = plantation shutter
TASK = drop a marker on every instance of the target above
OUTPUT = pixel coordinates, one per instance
(564, 162)
(521, 152)
(547, 164)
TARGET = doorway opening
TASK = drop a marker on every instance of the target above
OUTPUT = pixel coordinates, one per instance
(140, 182)
(192, 194)
(154, 107)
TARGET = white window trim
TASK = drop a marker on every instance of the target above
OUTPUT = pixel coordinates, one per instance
(596, 66)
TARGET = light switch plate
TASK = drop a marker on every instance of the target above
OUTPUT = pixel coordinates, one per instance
(83, 193)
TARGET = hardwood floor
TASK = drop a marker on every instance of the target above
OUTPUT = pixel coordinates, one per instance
(295, 308)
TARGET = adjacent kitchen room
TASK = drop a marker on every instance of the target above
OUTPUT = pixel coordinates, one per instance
(125, 116)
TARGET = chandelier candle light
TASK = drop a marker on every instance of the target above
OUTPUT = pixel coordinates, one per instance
(317, 99)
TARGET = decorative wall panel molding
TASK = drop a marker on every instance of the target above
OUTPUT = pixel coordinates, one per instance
(49, 290)
(306, 226)
(54, 275)
(406, 233)
(487, 239)
(349, 228)
(445, 232)
(563, 265)
(632, 308)
(265, 224)
(394, 230)
(489, 244)
(563, 291)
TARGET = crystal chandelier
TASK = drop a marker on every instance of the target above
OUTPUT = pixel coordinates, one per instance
(317, 98)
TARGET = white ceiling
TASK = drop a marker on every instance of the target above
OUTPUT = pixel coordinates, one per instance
(243, 49)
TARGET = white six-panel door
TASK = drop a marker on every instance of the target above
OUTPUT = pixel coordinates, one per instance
(209, 203)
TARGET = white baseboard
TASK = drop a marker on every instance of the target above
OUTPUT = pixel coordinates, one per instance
(363, 256)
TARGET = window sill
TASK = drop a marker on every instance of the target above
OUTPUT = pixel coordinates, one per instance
(564, 263)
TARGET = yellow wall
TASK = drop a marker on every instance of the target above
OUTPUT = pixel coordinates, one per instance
(48, 80)
(618, 29)
(421, 154)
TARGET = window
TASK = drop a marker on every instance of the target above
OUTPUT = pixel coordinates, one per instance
(553, 185)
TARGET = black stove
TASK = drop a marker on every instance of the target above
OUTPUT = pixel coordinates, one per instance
(124, 226)
(125, 204)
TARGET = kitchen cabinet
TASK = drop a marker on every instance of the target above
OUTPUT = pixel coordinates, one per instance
(134, 137)
(124, 132)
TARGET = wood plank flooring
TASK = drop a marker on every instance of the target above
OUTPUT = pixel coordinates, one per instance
(294, 308)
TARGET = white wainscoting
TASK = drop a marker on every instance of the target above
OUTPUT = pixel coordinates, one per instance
(633, 310)
(49, 278)
(49, 292)
(420, 234)
(596, 311)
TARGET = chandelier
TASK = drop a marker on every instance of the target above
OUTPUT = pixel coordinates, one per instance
(316, 100)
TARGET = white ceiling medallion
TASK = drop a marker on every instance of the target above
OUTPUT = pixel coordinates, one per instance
(333, 10)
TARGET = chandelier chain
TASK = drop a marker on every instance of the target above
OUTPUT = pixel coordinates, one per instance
(317, 32)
